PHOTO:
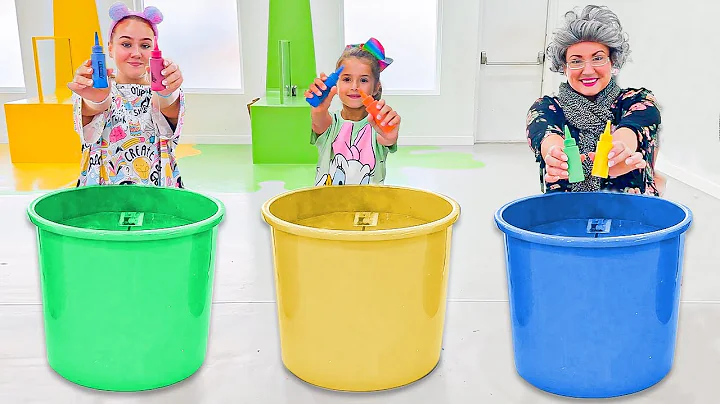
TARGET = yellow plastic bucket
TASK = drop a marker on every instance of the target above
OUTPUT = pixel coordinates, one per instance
(361, 277)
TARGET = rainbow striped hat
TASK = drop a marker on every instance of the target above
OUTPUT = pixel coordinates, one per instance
(375, 48)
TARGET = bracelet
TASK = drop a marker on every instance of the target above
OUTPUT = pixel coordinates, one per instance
(97, 104)
(171, 98)
(169, 95)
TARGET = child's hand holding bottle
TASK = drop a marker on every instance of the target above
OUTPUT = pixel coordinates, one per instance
(385, 121)
(82, 85)
(321, 119)
(317, 88)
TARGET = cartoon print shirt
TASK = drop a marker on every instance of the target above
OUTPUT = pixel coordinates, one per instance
(348, 153)
(131, 142)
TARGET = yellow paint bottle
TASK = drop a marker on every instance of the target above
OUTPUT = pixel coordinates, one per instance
(600, 164)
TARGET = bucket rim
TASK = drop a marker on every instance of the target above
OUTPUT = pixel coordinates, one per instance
(591, 242)
(357, 235)
(115, 235)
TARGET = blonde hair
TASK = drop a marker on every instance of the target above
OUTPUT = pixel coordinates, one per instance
(356, 52)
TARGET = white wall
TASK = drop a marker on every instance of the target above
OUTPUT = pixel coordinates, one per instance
(444, 119)
(34, 19)
(674, 54)
(3, 99)
(448, 118)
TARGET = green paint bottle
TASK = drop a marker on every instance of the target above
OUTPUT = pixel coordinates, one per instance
(575, 168)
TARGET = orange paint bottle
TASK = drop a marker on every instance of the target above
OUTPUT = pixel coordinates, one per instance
(371, 106)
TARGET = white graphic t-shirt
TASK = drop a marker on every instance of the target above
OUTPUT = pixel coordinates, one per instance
(131, 142)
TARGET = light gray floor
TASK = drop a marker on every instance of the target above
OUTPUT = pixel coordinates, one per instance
(243, 363)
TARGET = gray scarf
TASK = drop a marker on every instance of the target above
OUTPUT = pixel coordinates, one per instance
(590, 117)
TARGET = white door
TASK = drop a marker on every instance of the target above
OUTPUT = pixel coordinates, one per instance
(511, 67)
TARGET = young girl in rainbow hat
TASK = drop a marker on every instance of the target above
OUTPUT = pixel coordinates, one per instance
(129, 133)
(352, 145)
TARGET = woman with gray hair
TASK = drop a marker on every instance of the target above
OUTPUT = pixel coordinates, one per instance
(589, 50)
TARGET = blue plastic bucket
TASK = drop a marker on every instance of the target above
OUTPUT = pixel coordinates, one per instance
(594, 288)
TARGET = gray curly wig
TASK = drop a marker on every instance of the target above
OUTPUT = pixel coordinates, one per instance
(593, 24)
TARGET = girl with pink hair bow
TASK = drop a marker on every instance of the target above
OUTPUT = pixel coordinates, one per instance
(352, 145)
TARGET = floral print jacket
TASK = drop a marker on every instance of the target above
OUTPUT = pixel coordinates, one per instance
(634, 108)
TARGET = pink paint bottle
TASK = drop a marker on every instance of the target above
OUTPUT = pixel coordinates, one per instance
(156, 66)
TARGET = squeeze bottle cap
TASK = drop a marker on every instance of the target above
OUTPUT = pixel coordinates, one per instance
(569, 141)
(366, 99)
(156, 53)
(333, 79)
(97, 48)
(606, 135)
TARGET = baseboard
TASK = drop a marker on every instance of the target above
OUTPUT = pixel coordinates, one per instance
(215, 139)
(687, 177)
(436, 140)
(403, 140)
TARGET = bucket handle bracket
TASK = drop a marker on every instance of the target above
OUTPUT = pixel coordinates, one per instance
(599, 226)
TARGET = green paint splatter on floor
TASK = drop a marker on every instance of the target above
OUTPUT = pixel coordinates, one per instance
(229, 167)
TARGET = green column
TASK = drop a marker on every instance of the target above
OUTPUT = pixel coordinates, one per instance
(290, 20)
(281, 125)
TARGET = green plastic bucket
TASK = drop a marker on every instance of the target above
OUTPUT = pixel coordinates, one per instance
(126, 277)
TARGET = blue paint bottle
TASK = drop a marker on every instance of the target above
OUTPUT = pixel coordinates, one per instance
(99, 74)
(330, 82)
